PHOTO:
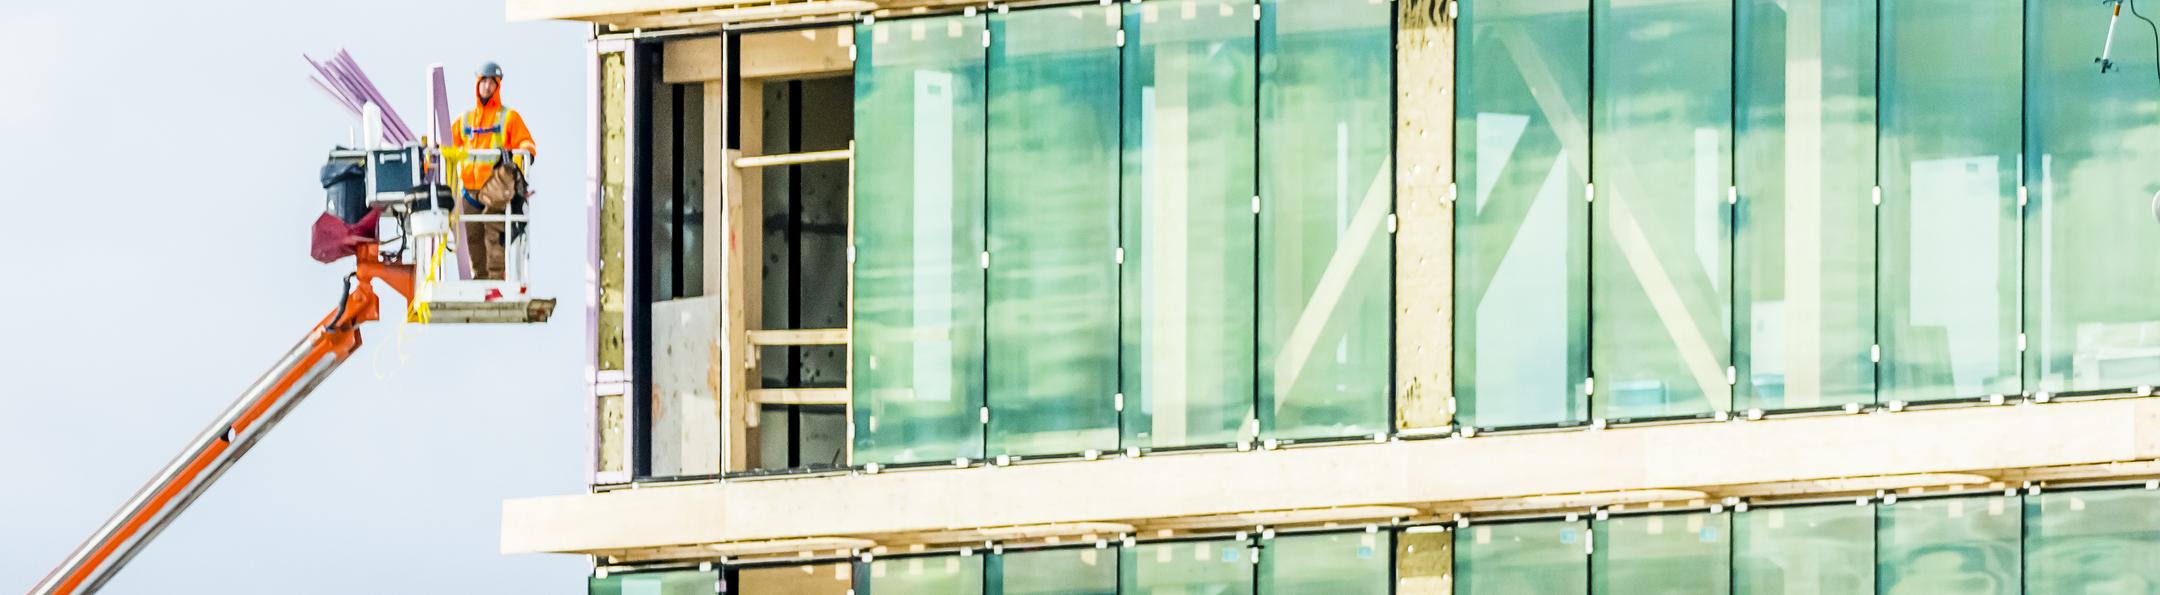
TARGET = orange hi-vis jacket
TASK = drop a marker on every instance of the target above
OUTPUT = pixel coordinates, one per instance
(488, 126)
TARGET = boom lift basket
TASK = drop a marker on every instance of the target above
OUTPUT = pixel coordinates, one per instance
(410, 185)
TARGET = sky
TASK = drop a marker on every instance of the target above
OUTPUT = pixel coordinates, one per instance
(158, 167)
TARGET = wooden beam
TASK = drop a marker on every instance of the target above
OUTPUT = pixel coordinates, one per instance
(739, 238)
(1715, 459)
(817, 336)
(799, 396)
(694, 60)
(794, 158)
(802, 53)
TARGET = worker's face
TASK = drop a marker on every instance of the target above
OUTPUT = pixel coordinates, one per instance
(487, 87)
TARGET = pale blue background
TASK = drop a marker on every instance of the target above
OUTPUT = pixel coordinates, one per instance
(157, 177)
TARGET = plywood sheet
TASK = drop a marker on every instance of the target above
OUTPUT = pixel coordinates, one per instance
(686, 404)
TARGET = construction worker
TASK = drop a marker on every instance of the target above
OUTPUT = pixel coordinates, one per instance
(489, 189)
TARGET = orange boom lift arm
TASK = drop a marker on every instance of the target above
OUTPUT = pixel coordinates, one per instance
(235, 431)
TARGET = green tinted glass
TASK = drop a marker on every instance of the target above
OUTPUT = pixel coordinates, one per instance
(1522, 143)
(1948, 244)
(1053, 138)
(1805, 247)
(1185, 568)
(2093, 542)
(1326, 190)
(2092, 254)
(1333, 563)
(689, 582)
(930, 575)
(1189, 117)
(1953, 545)
(1081, 571)
(1660, 250)
(918, 328)
(1804, 550)
(1549, 558)
(1669, 554)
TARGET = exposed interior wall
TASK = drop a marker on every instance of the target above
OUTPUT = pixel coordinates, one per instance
(804, 267)
(1425, 219)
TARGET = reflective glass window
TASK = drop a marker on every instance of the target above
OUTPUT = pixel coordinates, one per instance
(1546, 557)
(927, 575)
(2091, 251)
(1332, 563)
(1186, 568)
(1522, 156)
(1804, 550)
(2093, 542)
(1949, 174)
(1660, 249)
(1669, 554)
(1053, 171)
(918, 327)
(1950, 545)
(688, 582)
(1188, 227)
(1804, 249)
(1326, 190)
(1079, 571)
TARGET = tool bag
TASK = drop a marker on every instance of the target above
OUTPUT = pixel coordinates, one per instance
(505, 184)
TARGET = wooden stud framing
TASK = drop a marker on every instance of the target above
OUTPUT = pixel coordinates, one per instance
(820, 336)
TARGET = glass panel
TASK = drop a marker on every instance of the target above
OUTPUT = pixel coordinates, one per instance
(1084, 571)
(1804, 550)
(1185, 568)
(1952, 545)
(1666, 554)
(2093, 542)
(1424, 563)
(1052, 358)
(2092, 254)
(1549, 558)
(1948, 245)
(1805, 248)
(1188, 222)
(930, 575)
(1522, 342)
(1660, 303)
(809, 579)
(918, 238)
(1333, 563)
(656, 583)
(1326, 188)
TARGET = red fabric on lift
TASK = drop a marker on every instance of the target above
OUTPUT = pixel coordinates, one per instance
(331, 239)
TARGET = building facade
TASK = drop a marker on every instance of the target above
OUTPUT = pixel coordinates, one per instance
(1409, 297)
